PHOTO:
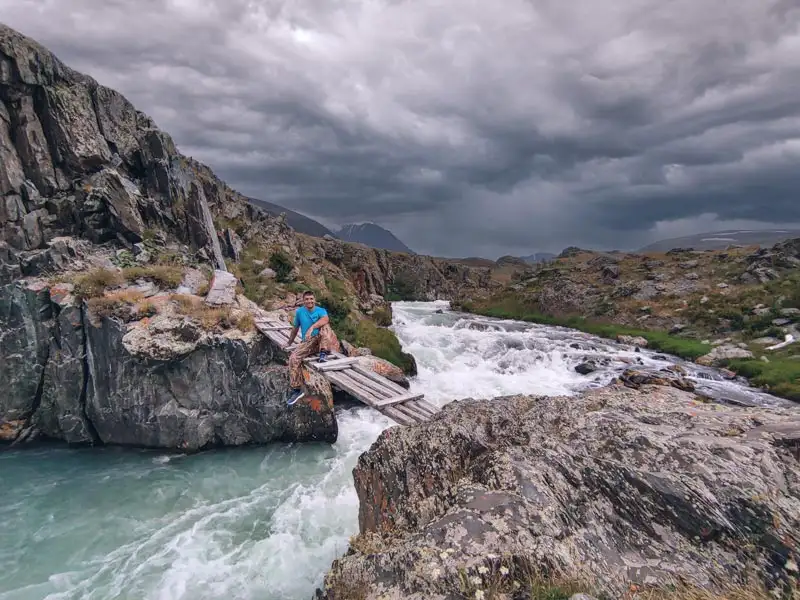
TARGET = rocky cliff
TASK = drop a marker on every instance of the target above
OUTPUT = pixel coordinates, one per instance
(74, 374)
(619, 493)
(109, 235)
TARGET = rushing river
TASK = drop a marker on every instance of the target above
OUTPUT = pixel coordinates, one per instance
(261, 523)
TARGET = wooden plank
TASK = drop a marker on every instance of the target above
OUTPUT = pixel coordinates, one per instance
(382, 380)
(281, 341)
(366, 392)
(400, 399)
(328, 367)
(352, 388)
(409, 413)
(333, 356)
(423, 417)
(429, 406)
(398, 416)
(333, 363)
(380, 389)
(419, 406)
(273, 327)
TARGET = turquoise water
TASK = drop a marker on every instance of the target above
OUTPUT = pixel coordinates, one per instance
(110, 523)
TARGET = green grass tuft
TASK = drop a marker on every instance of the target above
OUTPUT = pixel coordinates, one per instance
(781, 375)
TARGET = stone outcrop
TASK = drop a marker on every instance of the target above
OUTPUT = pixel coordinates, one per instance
(78, 159)
(615, 488)
(162, 382)
(381, 273)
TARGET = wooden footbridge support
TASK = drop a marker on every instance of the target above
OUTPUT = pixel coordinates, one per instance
(350, 376)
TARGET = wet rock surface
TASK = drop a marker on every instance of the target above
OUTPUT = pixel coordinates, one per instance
(617, 486)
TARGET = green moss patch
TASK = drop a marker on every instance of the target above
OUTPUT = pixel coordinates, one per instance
(384, 344)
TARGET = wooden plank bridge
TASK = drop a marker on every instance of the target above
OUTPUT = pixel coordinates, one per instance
(348, 375)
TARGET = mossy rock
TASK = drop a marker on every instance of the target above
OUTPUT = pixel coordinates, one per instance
(384, 344)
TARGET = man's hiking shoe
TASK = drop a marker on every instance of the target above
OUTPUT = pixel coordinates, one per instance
(323, 357)
(296, 395)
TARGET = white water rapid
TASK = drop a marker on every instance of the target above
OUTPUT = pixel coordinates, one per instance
(261, 523)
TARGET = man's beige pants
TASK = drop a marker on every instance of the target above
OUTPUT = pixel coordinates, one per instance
(326, 340)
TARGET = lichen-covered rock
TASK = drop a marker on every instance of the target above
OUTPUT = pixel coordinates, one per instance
(615, 487)
(631, 340)
(721, 354)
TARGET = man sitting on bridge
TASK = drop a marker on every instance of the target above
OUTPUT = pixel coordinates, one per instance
(317, 337)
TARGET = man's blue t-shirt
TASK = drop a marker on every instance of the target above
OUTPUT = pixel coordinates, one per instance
(305, 318)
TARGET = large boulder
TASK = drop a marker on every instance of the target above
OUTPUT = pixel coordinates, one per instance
(188, 389)
(720, 355)
(616, 488)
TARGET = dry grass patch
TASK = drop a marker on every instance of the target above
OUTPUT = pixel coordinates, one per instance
(210, 317)
(125, 305)
(246, 323)
(166, 275)
(96, 281)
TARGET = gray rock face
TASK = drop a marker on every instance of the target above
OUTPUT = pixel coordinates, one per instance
(164, 383)
(96, 166)
(222, 392)
(61, 413)
(615, 487)
(25, 332)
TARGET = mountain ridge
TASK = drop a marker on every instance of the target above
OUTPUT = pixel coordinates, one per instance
(297, 221)
(372, 235)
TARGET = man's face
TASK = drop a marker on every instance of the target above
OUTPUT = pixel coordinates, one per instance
(309, 301)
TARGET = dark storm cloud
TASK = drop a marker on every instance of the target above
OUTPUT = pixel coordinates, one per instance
(467, 127)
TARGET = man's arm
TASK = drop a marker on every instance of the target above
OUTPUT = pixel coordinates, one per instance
(323, 321)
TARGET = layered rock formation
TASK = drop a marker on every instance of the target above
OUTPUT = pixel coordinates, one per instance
(163, 382)
(619, 487)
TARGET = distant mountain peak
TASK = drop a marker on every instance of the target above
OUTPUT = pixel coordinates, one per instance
(297, 221)
(373, 235)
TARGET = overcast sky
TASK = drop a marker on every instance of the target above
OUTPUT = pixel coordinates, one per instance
(467, 127)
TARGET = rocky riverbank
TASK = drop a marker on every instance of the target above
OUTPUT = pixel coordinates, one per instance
(618, 492)
(82, 373)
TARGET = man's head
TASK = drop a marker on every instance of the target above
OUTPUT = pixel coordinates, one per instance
(308, 300)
